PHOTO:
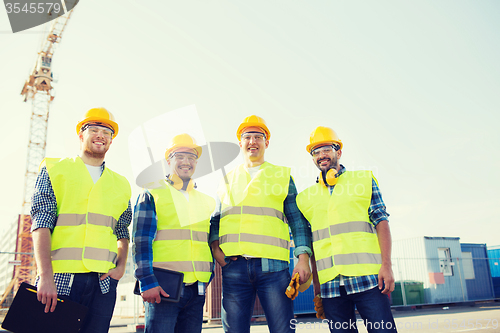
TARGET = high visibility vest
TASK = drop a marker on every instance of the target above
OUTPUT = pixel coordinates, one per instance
(181, 242)
(83, 239)
(344, 240)
(252, 219)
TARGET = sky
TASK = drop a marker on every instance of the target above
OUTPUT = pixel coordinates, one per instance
(411, 88)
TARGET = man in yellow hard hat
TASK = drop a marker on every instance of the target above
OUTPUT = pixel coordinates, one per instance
(250, 235)
(81, 212)
(351, 240)
(171, 226)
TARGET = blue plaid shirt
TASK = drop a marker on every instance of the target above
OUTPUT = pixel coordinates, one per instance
(298, 224)
(44, 215)
(357, 284)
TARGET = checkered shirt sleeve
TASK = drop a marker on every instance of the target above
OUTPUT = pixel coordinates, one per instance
(144, 233)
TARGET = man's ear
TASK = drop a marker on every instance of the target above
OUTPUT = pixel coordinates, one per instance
(267, 143)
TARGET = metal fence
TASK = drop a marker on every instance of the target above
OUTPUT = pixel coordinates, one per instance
(419, 281)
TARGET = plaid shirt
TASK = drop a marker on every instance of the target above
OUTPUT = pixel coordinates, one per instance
(44, 215)
(357, 284)
(298, 224)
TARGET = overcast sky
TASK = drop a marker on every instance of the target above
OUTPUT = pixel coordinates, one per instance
(411, 88)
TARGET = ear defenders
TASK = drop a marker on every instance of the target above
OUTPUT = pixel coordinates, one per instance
(179, 184)
(328, 178)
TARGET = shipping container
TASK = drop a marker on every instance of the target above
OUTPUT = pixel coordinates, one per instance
(436, 263)
(477, 271)
(494, 257)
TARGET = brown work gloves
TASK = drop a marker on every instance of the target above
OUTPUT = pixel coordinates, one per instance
(318, 306)
(293, 288)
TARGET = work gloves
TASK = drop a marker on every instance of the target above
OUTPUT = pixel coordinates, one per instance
(293, 288)
(318, 306)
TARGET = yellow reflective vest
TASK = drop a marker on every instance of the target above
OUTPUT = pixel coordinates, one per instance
(252, 219)
(181, 242)
(83, 239)
(344, 240)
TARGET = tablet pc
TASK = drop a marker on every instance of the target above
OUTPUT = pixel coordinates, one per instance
(170, 281)
(27, 314)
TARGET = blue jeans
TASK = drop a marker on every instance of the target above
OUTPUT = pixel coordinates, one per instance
(242, 279)
(185, 316)
(86, 291)
(372, 305)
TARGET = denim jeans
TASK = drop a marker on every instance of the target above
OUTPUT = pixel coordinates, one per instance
(372, 305)
(242, 279)
(86, 291)
(185, 316)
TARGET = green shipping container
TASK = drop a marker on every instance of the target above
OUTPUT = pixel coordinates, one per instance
(414, 292)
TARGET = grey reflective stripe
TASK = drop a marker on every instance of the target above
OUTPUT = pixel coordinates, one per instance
(358, 258)
(353, 226)
(70, 220)
(181, 234)
(200, 236)
(324, 263)
(230, 210)
(75, 253)
(73, 220)
(229, 238)
(320, 234)
(68, 253)
(263, 211)
(203, 266)
(258, 239)
(103, 220)
(343, 228)
(184, 266)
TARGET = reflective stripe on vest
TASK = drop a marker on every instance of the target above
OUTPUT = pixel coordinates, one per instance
(90, 253)
(259, 239)
(84, 237)
(66, 220)
(349, 259)
(181, 234)
(354, 226)
(344, 240)
(263, 211)
(185, 266)
(181, 242)
(252, 220)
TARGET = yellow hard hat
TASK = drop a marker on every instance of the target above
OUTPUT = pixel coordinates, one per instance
(98, 115)
(322, 135)
(253, 121)
(182, 141)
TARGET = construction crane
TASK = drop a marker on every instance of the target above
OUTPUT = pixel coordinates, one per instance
(38, 88)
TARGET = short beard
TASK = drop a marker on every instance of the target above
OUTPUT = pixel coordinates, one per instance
(333, 165)
(91, 154)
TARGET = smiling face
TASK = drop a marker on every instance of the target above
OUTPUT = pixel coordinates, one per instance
(183, 162)
(253, 144)
(326, 157)
(95, 141)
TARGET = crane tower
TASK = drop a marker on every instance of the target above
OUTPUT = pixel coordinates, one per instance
(38, 88)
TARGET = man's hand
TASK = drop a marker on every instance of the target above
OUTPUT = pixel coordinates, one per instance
(47, 293)
(218, 254)
(114, 273)
(153, 295)
(302, 268)
(385, 276)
